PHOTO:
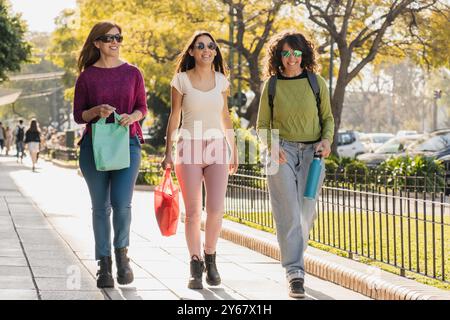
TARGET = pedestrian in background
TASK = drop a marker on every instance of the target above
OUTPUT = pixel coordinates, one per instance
(306, 125)
(33, 142)
(2, 137)
(199, 94)
(19, 137)
(107, 84)
(9, 139)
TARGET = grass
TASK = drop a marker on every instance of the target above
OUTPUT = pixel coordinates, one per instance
(356, 233)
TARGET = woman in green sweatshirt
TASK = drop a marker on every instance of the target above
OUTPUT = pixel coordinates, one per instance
(305, 125)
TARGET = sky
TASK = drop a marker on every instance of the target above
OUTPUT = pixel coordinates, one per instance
(40, 14)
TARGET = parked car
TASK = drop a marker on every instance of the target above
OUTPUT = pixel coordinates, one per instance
(394, 146)
(403, 133)
(435, 144)
(349, 144)
(373, 141)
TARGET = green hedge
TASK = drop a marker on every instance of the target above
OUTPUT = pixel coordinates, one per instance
(411, 173)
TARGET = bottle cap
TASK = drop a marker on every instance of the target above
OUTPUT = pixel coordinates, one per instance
(317, 155)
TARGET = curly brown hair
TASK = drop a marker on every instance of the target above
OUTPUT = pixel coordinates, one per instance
(186, 62)
(296, 41)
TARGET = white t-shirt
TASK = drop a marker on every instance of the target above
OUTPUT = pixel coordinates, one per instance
(201, 110)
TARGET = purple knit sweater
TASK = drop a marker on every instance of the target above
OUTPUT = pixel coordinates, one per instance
(121, 87)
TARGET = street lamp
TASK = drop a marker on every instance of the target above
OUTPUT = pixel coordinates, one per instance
(331, 65)
(238, 98)
(437, 96)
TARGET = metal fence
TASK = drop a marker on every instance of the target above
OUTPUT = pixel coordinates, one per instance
(60, 153)
(403, 222)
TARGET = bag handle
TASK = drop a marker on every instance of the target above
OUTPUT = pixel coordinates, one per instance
(167, 179)
(117, 119)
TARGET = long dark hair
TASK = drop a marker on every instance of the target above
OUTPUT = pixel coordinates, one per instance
(34, 126)
(90, 53)
(186, 62)
(296, 41)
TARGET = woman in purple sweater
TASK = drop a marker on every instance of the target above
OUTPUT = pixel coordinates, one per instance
(107, 84)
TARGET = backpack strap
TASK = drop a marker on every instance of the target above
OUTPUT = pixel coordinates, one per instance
(272, 91)
(312, 79)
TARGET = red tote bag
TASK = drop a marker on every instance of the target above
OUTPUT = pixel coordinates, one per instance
(167, 207)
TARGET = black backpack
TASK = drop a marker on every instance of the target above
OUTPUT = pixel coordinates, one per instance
(312, 79)
(20, 134)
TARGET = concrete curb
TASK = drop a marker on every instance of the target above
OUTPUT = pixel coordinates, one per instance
(369, 281)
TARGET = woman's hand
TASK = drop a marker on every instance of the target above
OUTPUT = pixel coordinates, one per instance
(167, 161)
(323, 148)
(103, 110)
(234, 164)
(281, 157)
(127, 119)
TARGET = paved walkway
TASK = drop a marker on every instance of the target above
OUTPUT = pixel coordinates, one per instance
(46, 248)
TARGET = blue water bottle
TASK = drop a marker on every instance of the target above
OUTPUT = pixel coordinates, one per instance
(312, 182)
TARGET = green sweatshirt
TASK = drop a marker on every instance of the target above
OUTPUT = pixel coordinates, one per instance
(295, 111)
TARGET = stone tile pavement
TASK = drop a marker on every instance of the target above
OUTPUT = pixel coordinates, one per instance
(46, 249)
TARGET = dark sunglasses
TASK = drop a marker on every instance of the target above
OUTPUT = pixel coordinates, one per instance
(107, 38)
(287, 53)
(201, 46)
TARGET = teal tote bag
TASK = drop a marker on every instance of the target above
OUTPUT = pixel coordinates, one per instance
(111, 144)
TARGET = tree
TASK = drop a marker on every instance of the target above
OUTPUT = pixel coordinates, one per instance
(156, 31)
(13, 48)
(41, 99)
(362, 29)
(394, 97)
(256, 22)
(64, 45)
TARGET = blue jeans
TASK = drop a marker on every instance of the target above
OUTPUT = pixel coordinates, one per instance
(20, 147)
(294, 215)
(110, 189)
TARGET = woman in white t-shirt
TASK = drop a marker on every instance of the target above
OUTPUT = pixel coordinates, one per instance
(204, 141)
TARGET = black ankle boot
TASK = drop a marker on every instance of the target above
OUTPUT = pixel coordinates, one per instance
(104, 274)
(212, 275)
(124, 272)
(197, 268)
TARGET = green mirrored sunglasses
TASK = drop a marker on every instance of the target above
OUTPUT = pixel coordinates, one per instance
(287, 53)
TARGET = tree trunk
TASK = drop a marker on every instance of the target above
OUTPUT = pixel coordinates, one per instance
(255, 85)
(337, 101)
(252, 112)
(337, 104)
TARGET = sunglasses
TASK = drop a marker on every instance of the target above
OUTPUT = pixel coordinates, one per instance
(201, 46)
(107, 38)
(287, 53)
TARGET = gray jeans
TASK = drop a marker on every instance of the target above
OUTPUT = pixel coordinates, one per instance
(294, 215)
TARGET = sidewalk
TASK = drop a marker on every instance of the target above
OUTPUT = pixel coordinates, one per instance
(46, 249)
